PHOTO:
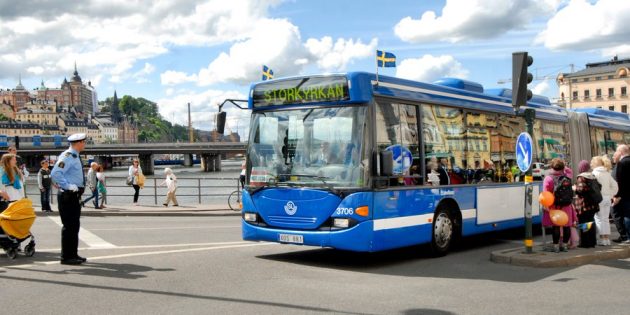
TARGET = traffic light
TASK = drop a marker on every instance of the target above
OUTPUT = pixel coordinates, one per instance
(520, 78)
(221, 122)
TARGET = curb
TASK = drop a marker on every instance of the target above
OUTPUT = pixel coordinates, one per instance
(541, 259)
(198, 213)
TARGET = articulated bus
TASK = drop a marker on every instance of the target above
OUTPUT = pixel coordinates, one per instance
(341, 160)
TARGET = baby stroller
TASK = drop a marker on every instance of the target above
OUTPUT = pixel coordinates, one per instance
(15, 224)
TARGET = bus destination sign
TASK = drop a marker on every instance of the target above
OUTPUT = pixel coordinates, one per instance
(301, 91)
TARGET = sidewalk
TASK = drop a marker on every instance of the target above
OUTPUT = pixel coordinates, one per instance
(545, 259)
(150, 210)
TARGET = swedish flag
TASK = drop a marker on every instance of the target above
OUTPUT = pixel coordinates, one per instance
(267, 73)
(385, 59)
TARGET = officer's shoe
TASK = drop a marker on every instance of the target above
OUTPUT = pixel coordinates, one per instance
(71, 261)
(81, 258)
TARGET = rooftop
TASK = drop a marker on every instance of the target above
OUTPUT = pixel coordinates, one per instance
(601, 68)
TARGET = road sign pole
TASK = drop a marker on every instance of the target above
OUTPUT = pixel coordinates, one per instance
(530, 115)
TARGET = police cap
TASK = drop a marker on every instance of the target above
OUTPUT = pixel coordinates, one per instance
(77, 137)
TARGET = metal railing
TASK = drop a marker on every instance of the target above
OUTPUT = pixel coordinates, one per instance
(215, 189)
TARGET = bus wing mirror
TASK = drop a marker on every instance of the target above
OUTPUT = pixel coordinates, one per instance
(386, 163)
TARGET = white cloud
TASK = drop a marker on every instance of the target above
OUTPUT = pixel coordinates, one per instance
(110, 37)
(275, 43)
(472, 19)
(338, 56)
(542, 87)
(582, 25)
(429, 68)
(204, 107)
(141, 74)
(175, 77)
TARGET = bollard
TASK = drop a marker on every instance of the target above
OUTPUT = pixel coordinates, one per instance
(529, 242)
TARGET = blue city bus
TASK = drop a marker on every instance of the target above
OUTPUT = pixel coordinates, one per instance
(349, 162)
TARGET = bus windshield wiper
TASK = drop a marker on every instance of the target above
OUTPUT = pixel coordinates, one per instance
(317, 177)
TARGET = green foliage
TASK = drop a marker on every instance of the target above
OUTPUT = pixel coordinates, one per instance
(152, 126)
(3, 118)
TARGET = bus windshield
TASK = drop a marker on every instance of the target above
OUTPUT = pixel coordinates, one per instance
(316, 147)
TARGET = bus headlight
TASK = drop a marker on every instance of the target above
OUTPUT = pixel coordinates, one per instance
(341, 223)
(250, 216)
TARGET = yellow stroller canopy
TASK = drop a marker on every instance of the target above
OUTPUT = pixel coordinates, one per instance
(18, 218)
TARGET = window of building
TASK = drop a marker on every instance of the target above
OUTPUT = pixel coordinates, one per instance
(598, 93)
(611, 107)
(586, 79)
(575, 95)
(624, 91)
(573, 80)
(624, 109)
(587, 94)
(610, 77)
(598, 78)
(611, 92)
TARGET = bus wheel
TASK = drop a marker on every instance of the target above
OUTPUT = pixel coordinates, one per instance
(443, 228)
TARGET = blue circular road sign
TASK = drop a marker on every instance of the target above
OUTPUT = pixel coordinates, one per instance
(524, 151)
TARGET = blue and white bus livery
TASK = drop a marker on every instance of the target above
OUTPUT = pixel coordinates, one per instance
(343, 161)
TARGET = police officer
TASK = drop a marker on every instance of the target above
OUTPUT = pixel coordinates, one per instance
(68, 175)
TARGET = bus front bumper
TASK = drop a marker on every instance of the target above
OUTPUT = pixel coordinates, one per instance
(357, 238)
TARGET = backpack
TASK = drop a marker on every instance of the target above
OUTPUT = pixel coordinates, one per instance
(562, 191)
(590, 189)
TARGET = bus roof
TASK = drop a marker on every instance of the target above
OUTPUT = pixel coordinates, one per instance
(362, 86)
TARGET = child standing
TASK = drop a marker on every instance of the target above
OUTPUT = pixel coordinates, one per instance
(171, 184)
(45, 183)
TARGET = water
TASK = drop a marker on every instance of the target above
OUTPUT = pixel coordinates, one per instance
(215, 187)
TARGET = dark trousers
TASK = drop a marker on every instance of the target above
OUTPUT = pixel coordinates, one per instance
(94, 196)
(70, 213)
(566, 234)
(617, 214)
(588, 238)
(137, 193)
(241, 179)
(45, 199)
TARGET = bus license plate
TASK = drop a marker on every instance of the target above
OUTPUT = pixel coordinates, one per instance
(291, 238)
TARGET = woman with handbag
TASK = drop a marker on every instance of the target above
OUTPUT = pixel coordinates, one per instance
(101, 185)
(135, 172)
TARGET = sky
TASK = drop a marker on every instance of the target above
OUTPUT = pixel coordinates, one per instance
(178, 51)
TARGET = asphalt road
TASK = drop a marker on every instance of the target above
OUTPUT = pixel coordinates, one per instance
(200, 265)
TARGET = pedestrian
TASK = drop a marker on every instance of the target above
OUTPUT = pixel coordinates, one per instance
(587, 199)
(443, 171)
(171, 185)
(241, 178)
(621, 201)
(45, 185)
(68, 175)
(20, 165)
(615, 212)
(556, 176)
(135, 171)
(92, 183)
(102, 184)
(12, 178)
(601, 169)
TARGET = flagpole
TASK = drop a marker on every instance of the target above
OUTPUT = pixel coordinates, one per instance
(377, 68)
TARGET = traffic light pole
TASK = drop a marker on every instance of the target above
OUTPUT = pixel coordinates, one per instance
(530, 115)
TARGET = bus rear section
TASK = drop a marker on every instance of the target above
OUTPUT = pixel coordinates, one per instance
(309, 217)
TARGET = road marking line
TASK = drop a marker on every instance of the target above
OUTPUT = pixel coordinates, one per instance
(151, 246)
(56, 262)
(88, 237)
(168, 228)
